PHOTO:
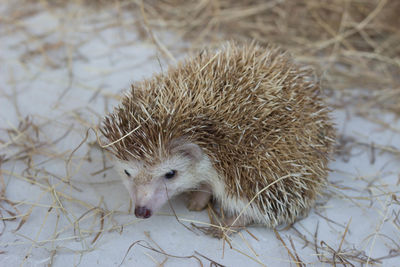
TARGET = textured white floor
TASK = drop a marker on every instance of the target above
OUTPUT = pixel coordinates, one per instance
(102, 64)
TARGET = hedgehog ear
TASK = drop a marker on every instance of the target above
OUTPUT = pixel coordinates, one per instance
(190, 150)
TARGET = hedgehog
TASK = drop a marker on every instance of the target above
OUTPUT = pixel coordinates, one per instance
(242, 125)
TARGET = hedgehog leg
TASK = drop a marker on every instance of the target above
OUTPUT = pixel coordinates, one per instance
(200, 198)
(229, 226)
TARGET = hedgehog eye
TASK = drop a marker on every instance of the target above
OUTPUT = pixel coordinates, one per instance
(127, 173)
(170, 174)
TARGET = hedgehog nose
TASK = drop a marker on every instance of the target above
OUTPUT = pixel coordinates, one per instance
(142, 212)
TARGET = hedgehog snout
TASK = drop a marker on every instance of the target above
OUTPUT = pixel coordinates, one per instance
(142, 212)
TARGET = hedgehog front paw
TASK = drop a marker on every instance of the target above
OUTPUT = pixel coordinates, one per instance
(220, 233)
(199, 199)
(227, 227)
(223, 231)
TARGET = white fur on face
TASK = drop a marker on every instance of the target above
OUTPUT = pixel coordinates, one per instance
(148, 186)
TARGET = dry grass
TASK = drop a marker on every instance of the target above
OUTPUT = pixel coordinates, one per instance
(352, 44)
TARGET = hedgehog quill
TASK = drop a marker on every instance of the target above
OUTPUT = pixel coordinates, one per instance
(233, 124)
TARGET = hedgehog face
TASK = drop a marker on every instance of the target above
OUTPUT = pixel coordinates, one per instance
(151, 185)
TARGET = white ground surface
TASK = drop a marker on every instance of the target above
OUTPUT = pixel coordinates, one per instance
(81, 61)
